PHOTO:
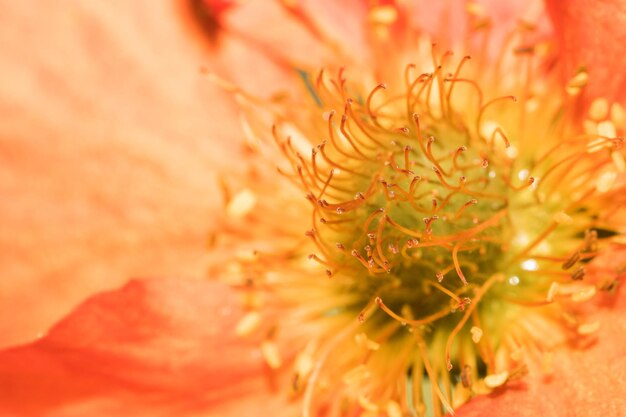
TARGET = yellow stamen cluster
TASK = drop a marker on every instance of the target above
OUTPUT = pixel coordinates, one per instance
(451, 232)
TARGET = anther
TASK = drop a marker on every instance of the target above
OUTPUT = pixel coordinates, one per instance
(477, 334)
(584, 294)
(591, 241)
(463, 302)
(599, 109)
(412, 243)
(578, 274)
(571, 261)
(466, 376)
(393, 248)
(588, 328)
(471, 202)
(496, 380)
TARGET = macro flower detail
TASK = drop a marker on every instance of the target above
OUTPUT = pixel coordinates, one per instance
(458, 217)
(414, 208)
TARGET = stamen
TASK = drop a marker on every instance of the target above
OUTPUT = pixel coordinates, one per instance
(460, 211)
(413, 322)
(477, 334)
(272, 356)
(241, 204)
(456, 76)
(496, 380)
(248, 323)
(432, 376)
(478, 294)
(571, 261)
(457, 265)
(578, 274)
(483, 108)
(368, 103)
(331, 133)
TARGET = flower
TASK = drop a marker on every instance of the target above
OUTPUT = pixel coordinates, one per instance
(358, 340)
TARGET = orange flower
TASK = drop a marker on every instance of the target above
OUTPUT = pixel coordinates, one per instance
(509, 282)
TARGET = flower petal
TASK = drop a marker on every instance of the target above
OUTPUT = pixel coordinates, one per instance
(153, 347)
(592, 34)
(589, 381)
(107, 152)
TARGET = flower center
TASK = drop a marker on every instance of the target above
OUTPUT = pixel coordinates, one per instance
(425, 209)
(449, 229)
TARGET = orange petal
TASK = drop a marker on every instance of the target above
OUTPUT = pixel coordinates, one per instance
(592, 34)
(107, 153)
(589, 382)
(153, 347)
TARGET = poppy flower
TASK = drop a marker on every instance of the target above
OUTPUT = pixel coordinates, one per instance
(442, 233)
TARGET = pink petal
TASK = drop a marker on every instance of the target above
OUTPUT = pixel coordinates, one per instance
(592, 34)
(587, 382)
(151, 348)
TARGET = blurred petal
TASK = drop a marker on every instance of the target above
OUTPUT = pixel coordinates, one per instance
(592, 34)
(298, 33)
(589, 381)
(151, 348)
(107, 151)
